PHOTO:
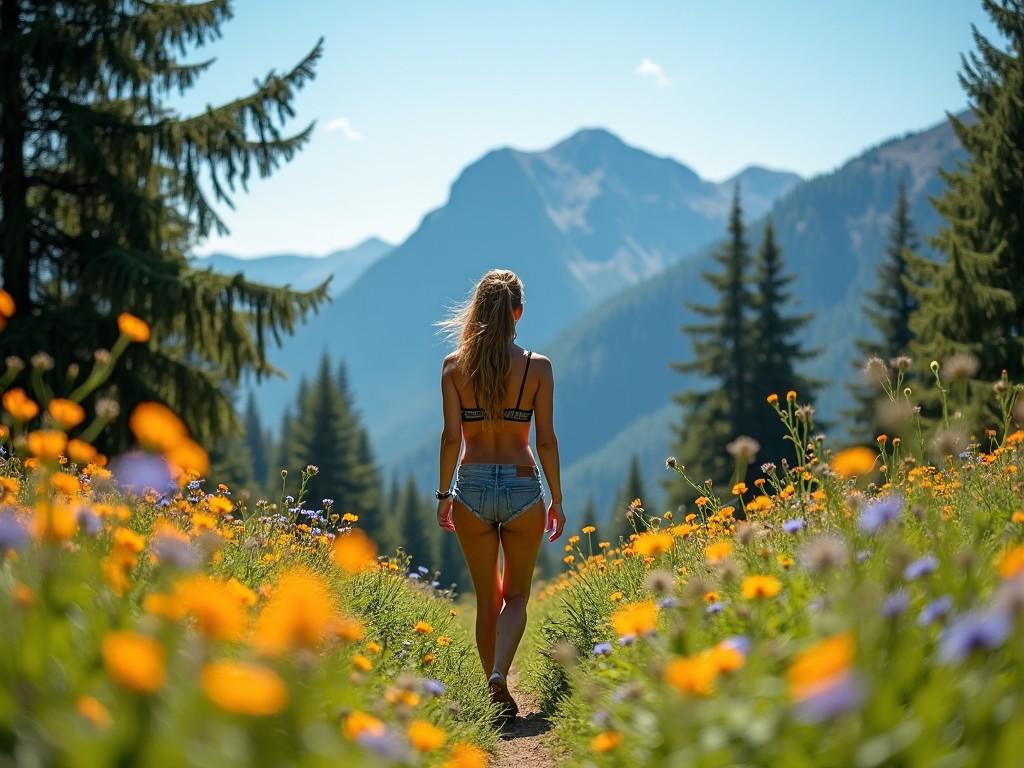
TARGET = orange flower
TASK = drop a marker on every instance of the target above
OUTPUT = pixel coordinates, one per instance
(1011, 562)
(466, 756)
(791, 396)
(358, 723)
(854, 462)
(133, 327)
(92, 710)
(81, 452)
(47, 444)
(214, 607)
(424, 736)
(55, 521)
(66, 413)
(354, 551)
(298, 614)
(6, 304)
(244, 689)
(220, 505)
(20, 405)
(64, 483)
(821, 664)
(653, 543)
(156, 427)
(717, 552)
(188, 457)
(134, 661)
(756, 587)
(691, 674)
(739, 489)
(606, 741)
(772, 399)
(362, 663)
(422, 628)
(348, 630)
(635, 619)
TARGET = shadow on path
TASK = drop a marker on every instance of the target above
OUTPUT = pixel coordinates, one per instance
(534, 724)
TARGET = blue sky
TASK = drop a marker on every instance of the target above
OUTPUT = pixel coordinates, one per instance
(408, 93)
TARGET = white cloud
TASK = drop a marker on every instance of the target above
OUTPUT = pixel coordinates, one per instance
(650, 68)
(343, 126)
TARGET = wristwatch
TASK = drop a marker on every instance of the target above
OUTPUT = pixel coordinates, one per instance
(438, 495)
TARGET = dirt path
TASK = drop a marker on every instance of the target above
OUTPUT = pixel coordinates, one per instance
(524, 741)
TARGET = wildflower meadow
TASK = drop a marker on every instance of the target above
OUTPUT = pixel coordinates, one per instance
(856, 608)
(149, 618)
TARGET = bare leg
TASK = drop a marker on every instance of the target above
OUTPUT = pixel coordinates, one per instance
(479, 542)
(520, 542)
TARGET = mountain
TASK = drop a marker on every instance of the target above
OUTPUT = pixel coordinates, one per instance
(578, 222)
(612, 366)
(301, 272)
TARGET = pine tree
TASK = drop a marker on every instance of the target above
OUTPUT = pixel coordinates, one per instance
(256, 442)
(889, 308)
(104, 187)
(589, 516)
(453, 563)
(723, 357)
(619, 523)
(416, 529)
(284, 455)
(367, 498)
(972, 299)
(231, 463)
(776, 350)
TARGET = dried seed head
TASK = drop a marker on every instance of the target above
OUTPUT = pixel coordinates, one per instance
(14, 363)
(107, 409)
(42, 361)
(824, 553)
(960, 367)
(946, 443)
(659, 582)
(805, 413)
(743, 448)
(901, 362)
(102, 356)
(875, 370)
(894, 416)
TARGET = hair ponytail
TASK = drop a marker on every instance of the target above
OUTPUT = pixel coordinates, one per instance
(483, 327)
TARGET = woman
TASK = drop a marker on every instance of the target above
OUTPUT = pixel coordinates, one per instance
(490, 388)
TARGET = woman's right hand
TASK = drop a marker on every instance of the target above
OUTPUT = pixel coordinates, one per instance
(555, 522)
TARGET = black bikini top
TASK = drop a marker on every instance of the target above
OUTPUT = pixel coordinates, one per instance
(509, 414)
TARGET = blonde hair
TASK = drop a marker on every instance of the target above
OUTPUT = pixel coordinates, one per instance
(483, 327)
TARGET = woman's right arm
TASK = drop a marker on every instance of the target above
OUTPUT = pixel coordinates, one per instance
(547, 445)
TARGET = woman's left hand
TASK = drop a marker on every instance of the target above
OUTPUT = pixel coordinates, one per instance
(444, 514)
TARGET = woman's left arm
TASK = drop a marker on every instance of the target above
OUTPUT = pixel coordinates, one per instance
(451, 441)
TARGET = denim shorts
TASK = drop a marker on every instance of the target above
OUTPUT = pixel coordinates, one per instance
(498, 493)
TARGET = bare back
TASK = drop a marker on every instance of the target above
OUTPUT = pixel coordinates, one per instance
(509, 443)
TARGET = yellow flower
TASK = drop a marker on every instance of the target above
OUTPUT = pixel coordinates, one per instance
(606, 741)
(791, 396)
(156, 427)
(357, 723)
(691, 674)
(92, 710)
(818, 666)
(20, 405)
(134, 661)
(81, 452)
(65, 483)
(298, 614)
(466, 756)
(755, 587)
(133, 327)
(243, 688)
(1018, 517)
(760, 504)
(54, 521)
(354, 551)
(854, 462)
(1011, 562)
(422, 628)
(362, 663)
(653, 543)
(9, 487)
(784, 561)
(589, 529)
(373, 647)
(348, 517)
(726, 657)
(739, 489)
(772, 399)
(683, 530)
(47, 444)
(615, 597)
(215, 607)
(424, 736)
(717, 552)
(711, 597)
(635, 619)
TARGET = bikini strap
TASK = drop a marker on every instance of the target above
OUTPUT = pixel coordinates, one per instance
(523, 384)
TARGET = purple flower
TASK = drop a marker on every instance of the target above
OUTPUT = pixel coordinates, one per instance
(880, 513)
(423, 569)
(385, 744)
(793, 526)
(13, 534)
(175, 551)
(935, 610)
(414, 576)
(602, 649)
(975, 631)
(896, 604)
(714, 609)
(668, 602)
(920, 567)
(89, 521)
(740, 643)
(830, 700)
(627, 639)
(433, 687)
(137, 471)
